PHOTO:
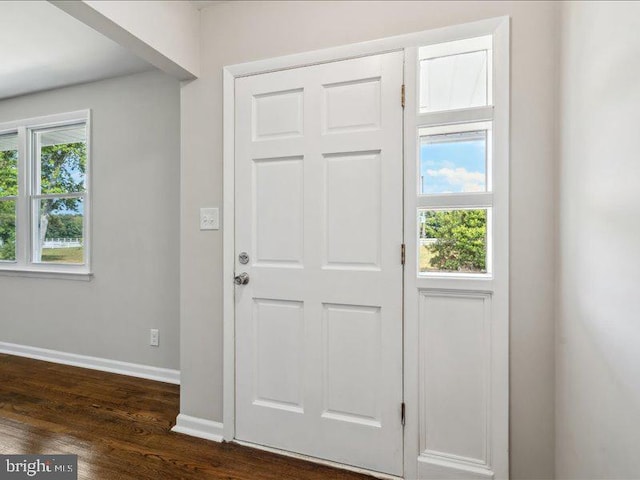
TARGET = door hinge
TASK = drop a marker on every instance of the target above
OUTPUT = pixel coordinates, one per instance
(402, 96)
(402, 414)
(403, 253)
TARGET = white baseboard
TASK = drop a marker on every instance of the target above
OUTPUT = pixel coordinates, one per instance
(199, 427)
(103, 364)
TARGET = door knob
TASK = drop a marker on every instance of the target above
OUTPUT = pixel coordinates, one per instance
(241, 279)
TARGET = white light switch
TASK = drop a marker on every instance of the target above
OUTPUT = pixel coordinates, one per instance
(209, 219)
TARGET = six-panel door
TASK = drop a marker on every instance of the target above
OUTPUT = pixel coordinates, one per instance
(319, 212)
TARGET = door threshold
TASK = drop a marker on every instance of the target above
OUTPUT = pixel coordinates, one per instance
(320, 461)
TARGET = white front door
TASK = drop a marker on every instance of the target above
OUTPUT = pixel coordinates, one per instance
(318, 199)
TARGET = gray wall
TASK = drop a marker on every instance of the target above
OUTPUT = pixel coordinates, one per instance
(235, 32)
(136, 193)
(598, 356)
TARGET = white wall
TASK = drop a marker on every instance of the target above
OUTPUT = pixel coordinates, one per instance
(235, 32)
(164, 33)
(598, 351)
(170, 27)
(135, 161)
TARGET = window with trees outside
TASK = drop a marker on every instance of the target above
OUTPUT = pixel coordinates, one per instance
(44, 193)
(454, 165)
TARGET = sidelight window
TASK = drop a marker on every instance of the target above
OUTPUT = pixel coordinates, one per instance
(455, 187)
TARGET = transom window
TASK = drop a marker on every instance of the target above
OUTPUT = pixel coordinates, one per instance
(456, 75)
(455, 186)
(44, 193)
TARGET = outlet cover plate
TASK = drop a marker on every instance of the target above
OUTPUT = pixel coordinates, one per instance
(154, 337)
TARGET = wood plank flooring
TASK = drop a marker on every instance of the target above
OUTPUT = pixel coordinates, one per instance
(119, 427)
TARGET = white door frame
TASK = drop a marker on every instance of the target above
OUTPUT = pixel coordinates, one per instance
(499, 25)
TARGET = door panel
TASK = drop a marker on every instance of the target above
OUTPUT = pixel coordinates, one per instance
(279, 338)
(277, 212)
(319, 212)
(352, 338)
(455, 329)
(353, 209)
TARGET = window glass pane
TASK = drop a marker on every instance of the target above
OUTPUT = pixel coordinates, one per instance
(60, 231)
(452, 241)
(8, 165)
(453, 162)
(62, 159)
(7, 230)
(454, 81)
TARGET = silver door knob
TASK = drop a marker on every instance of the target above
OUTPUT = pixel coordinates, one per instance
(241, 279)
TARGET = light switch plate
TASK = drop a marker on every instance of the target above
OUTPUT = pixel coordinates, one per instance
(209, 219)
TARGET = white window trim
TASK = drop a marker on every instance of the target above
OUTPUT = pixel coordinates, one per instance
(462, 199)
(23, 266)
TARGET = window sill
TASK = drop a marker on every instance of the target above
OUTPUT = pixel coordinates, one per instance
(55, 274)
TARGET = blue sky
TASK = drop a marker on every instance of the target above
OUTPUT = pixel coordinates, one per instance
(79, 210)
(449, 167)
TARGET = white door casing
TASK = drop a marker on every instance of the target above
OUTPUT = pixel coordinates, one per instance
(318, 209)
(421, 458)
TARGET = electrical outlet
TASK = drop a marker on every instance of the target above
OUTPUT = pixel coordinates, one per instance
(209, 219)
(154, 338)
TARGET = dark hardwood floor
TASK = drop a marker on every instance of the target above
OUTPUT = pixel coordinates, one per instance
(119, 427)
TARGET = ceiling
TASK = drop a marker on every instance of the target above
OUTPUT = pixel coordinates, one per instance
(42, 47)
(200, 4)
